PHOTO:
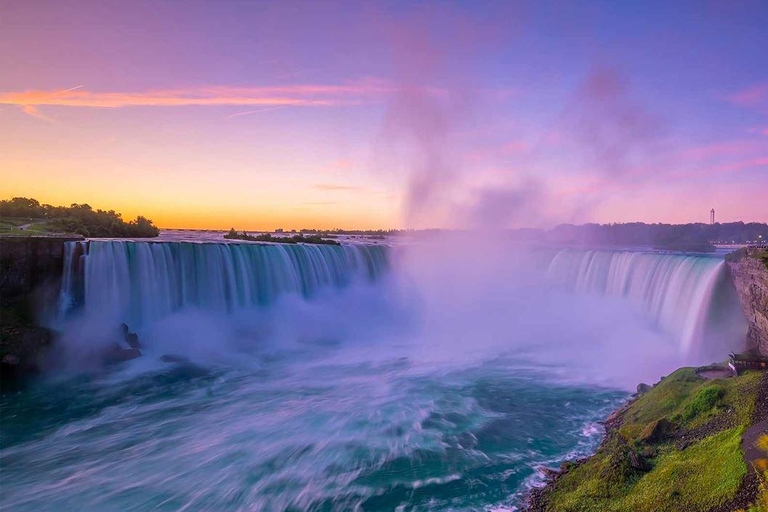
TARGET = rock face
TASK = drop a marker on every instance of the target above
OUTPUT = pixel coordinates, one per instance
(30, 274)
(750, 276)
(28, 263)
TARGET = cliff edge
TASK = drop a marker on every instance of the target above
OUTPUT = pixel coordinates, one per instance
(749, 272)
(30, 274)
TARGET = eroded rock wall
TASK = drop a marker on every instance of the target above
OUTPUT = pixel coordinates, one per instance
(27, 263)
(750, 276)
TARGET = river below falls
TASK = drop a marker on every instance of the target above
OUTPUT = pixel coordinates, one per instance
(315, 429)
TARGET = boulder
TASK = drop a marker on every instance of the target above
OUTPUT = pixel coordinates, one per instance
(643, 388)
(656, 431)
(132, 339)
(117, 354)
(549, 473)
(10, 360)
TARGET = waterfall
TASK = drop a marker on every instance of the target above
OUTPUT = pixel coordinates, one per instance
(677, 292)
(144, 281)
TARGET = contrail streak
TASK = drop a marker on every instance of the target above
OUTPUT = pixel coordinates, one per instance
(248, 112)
(70, 89)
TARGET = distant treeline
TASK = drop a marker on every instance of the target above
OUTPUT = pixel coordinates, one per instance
(79, 218)
(329, 232)
(267, 237)
(691, 237)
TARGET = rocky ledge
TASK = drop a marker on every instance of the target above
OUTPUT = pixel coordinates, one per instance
(749, 272)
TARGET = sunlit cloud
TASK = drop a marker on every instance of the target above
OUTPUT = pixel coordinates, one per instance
(34, 112)
(284, 96)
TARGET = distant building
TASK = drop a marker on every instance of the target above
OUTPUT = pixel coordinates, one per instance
(712, 217)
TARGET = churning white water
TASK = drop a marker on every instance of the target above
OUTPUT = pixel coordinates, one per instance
(430, 377)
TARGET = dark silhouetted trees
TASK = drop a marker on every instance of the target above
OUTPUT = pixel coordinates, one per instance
(80, 218)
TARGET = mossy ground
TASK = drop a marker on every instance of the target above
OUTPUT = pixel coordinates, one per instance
(678, 449)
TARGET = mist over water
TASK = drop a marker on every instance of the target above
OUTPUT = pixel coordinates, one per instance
(430, 376)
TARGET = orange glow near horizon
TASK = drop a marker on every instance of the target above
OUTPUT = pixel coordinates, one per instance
(382, 116)
(207, 205)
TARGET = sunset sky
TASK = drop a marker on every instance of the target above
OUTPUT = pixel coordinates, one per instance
(261, 115)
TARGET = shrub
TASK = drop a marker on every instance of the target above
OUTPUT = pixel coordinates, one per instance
(704, 401)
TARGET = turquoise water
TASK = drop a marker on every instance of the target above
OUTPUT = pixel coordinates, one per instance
(311, 430)
(342, 378)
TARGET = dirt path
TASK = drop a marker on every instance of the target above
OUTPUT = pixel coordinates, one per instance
(752, 454)
(759, 428)
(747, 493)
(24, 227)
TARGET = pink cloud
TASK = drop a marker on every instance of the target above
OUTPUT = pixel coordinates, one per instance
(724, 168)
(754, 96)
(739, 166)
(516, 146)
(269, 97)
(718, 149)
(301, 95)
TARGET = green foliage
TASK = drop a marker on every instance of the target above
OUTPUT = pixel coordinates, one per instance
(706, 473)
(706, 399)
(76, 218)
(697, 478)
(665, 398)
(267, 237)
(763, 256)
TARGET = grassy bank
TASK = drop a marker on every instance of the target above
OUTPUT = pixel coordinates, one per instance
(676, 448)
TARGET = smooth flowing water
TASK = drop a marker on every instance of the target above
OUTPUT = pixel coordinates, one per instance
(338, 378)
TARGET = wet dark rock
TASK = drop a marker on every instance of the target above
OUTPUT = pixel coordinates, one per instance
(117, 354)
(638, 462)
(131, 338)
(549, 473)
(23, 347)
(643, 388)
(11, 360)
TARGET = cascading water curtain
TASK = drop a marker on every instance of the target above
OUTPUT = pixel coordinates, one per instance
(675, 290)
(142, 281)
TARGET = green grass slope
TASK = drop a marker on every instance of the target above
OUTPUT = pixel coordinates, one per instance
(676, 448)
